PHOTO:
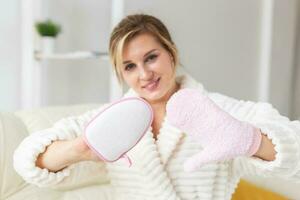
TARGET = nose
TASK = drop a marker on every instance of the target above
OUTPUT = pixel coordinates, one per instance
(145, 73)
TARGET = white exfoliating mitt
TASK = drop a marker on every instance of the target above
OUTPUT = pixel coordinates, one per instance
(118, 128)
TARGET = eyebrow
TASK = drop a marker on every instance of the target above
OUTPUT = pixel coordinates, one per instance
(128, 61)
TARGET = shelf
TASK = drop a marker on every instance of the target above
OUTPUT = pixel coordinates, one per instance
(33, 76)
(71, 55)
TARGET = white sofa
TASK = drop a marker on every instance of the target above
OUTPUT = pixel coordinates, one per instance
(14, 126)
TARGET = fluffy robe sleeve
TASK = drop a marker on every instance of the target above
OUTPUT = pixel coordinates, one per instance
(284, 133)
(76, 175)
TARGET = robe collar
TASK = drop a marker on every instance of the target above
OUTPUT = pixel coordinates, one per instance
(152, 156)
(169, 135)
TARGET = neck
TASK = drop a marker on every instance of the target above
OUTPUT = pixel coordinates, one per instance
(161, 103)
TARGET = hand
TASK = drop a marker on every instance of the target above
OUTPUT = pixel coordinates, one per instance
(70, 151)
(83, 150)
(222, 136)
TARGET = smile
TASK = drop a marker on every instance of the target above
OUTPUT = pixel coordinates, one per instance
(152, 86)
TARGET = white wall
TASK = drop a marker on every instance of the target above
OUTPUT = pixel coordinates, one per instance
(296, 90)
(219, 43)
(217, 40)
(9, 55)
(86, 26)
(296, 76)
(282, 55)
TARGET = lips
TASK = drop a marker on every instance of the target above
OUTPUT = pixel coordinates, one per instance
(151, 84)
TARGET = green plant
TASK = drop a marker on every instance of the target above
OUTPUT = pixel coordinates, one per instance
(48, 28)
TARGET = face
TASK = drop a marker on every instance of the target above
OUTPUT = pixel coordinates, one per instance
(148, 68)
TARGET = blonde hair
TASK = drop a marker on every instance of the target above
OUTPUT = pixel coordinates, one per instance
(131, 26)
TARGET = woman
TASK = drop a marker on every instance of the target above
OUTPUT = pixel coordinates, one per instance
(146, 59)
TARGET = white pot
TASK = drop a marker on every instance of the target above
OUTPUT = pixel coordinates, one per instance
(48, 44)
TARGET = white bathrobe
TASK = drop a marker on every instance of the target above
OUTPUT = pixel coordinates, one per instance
(157, 169)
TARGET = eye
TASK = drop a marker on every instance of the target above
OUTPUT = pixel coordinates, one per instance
(151, 57)
(129, 67)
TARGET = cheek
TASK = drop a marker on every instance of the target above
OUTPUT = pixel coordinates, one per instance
(131, 80)
(162, 65)
(168, 61)
(167, 70)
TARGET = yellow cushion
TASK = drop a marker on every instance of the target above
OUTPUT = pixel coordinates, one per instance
(249, 191)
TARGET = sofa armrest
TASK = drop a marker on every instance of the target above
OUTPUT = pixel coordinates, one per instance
(45, 117)
(15, 126)
(12, 131)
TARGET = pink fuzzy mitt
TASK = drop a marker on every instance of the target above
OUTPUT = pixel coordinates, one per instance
(222, 136)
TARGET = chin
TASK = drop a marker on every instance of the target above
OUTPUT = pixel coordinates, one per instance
(155, 96)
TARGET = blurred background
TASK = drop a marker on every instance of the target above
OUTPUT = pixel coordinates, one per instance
(248, 50)
(244, 49)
